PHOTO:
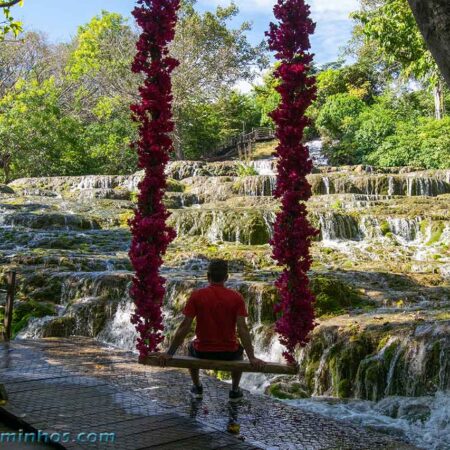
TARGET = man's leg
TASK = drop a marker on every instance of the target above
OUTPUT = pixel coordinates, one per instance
(236, 379)
(195, 375)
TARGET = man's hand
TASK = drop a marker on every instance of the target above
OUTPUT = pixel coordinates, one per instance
(164, 358)
(257, 363)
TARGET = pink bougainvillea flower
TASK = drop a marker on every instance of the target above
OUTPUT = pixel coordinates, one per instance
(151, 235)
(293, 234)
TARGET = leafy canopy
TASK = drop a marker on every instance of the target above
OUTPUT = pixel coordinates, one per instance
(9, 25)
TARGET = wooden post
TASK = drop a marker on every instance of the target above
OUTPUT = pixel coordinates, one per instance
(11, 280)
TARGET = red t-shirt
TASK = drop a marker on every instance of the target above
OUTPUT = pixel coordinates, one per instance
(216, 309)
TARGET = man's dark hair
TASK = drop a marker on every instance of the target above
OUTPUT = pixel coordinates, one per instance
(218, 270)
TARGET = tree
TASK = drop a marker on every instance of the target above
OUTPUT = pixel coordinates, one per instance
(421, 143)
(212, 58)
(37, 137)
(9, 25)
(101, 58)
(391, 24)
(267, 98)
(433, 17)
(33, 57)
(337, 113)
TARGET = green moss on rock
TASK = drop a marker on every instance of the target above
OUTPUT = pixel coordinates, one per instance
(333, 296)
(174, 186)
(286, 390)
(25, 311)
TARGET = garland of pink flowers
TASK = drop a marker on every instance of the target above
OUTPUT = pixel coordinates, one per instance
(151, 235)
(293, 232)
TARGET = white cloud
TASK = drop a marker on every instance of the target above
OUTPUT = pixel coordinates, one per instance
(321, 9)
(331, 16)
(332, 9)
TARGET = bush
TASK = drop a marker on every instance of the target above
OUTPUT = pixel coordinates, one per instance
(425, 143)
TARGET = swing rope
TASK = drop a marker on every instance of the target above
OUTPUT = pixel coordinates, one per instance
(293, 232)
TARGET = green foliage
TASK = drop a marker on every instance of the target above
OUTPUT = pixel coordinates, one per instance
(213, 58)
(267, 98)
(9, 25)
(246, 171)
(391, 24)
(77, 120)
(204, 125)
(374, 125)
(337, 115)
(356, 79)
(422, 143)
(93, 46)
(108, 138)
(41, 139)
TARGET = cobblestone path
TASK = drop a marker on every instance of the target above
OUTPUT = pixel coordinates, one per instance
(77, 385)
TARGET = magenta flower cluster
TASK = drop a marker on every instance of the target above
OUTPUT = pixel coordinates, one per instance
(293, 233)
(151, 235)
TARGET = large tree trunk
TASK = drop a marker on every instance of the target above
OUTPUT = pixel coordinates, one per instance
(433, 18)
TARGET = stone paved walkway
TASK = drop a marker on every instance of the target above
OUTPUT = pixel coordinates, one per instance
(77, 385)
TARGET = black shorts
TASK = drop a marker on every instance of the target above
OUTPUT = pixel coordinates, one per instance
(238, 355)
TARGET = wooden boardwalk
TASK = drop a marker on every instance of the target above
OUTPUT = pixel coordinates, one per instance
(51, 398)
(76, 386)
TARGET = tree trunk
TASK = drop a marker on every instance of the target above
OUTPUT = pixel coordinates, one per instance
(438, 93)
(433, 18)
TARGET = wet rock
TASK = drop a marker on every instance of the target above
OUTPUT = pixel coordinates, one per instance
(4, 189)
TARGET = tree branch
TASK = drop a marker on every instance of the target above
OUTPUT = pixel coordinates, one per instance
(9, 4)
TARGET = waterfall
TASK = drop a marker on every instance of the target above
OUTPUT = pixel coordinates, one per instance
(316, 152)
(326, 183)
(419, 184)
(336, 227)
(422, 421)
(258, 186)
(268, 349)
(406, 229)
(265, 167)
(119, 331)
(391, 186)
(215, 230)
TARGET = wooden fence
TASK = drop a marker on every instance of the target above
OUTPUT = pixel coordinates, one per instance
(242, 144)
(9, 305)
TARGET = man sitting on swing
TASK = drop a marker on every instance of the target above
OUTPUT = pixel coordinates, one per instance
(219, 312)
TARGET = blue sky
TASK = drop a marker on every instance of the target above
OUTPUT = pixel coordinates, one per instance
(60, 18)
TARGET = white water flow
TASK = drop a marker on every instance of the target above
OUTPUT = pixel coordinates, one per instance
(315, 151)
(265, 166)
(270, 350)
(269, 166)
(424, 421)
(120, 331)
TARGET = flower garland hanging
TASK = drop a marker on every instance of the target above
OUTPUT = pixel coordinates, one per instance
(292, 231)
(151, 235)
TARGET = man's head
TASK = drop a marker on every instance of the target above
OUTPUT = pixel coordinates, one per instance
(218, 271)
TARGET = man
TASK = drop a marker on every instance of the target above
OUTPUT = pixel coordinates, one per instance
(219, 312)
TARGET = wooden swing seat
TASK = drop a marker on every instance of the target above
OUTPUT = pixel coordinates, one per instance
(187, 362)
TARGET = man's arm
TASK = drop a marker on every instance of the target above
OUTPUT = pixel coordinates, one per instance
(246, 340)
(180, 335)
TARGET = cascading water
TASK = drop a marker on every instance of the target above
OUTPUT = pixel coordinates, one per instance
(382, 235)
(336, 226)
(265, 167)
(423, 421)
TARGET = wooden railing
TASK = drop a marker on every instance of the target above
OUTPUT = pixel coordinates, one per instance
(9, 305)
(242, 144)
